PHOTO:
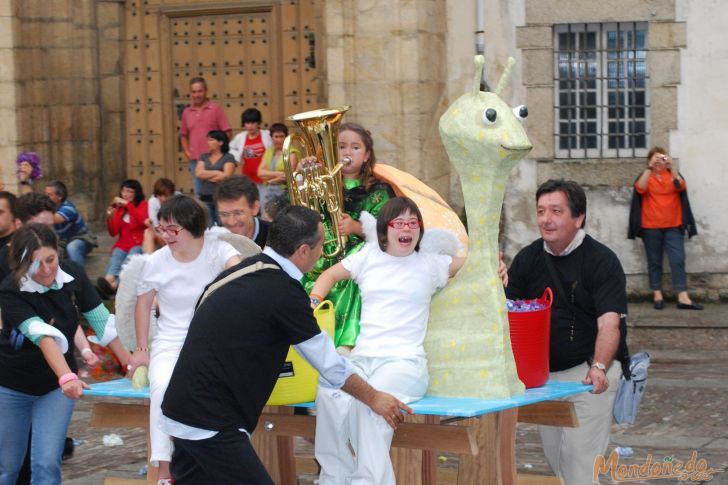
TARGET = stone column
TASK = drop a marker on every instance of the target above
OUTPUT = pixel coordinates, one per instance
(388, 61)
(8, 128)
(61, 95)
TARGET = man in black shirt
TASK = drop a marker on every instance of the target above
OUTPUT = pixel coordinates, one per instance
(235, 348)
(589, 299)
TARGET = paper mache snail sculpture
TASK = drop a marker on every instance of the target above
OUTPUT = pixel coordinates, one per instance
(468, 343)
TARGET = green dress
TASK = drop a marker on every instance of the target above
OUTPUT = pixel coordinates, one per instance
(345, 294)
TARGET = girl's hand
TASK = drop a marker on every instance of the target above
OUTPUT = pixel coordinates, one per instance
(119, 202)
(89, 357)
(24, 171)
(278, 178)
(347, 226)
(308, 161)
(138, 358)
(74, 389)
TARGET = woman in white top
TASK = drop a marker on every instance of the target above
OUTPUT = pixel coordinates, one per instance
(397, 282)
(176, 275)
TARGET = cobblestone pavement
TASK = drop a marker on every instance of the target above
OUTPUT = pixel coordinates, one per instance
(683, 410)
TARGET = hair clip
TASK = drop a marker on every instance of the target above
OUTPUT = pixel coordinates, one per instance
(22, 256)
(34, 267)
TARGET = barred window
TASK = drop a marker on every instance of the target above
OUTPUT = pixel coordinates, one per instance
(601, 107)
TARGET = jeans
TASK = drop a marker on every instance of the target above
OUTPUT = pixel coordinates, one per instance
(671, 241)
(77, 251)
(196, 183)
(213, 219)
(118, 258)
(49, 415)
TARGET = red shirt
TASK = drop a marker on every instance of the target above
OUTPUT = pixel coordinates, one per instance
(197, 123)
(252, 156)
(661, 207)
(128, 223)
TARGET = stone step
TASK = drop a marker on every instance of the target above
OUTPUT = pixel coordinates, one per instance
(673, 329)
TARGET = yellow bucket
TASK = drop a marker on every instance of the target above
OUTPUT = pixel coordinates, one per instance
(298, 380)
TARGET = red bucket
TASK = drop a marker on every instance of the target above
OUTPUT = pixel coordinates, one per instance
(530, 332)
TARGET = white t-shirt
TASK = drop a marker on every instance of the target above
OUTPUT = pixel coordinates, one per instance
(396, 294)
(179, 285)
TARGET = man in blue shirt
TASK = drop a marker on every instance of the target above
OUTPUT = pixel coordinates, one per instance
(69, 224)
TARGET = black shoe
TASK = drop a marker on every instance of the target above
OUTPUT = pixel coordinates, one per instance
(689, 306)
(68, 448)
(659, 304)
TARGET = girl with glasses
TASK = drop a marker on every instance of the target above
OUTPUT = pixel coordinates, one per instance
(175, 275)
(362, 192)
(397, 282)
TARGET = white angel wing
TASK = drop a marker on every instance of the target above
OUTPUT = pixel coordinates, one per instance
(126, 297)
(369, 227)
(440, 241)
(245, 246)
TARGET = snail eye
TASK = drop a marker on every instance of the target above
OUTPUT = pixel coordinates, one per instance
(489, 116)
(521, 112)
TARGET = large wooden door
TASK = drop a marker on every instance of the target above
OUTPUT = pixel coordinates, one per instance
(260, 56)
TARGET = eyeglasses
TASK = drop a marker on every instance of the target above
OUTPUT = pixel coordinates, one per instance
(171, 231)
(399, 224)
(225, 215)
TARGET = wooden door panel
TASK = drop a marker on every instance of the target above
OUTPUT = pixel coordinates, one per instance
(249, 59)
(135, 118)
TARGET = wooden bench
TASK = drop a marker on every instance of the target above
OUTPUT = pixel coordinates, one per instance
(481, 432)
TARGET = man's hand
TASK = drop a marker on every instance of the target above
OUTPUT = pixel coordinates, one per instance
(390, 408)
(502, 270)
(385, 405)
(598, 378)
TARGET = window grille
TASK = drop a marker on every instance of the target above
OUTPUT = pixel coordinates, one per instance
(601, 106)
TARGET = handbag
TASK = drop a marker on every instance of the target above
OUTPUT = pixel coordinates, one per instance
(631, 390)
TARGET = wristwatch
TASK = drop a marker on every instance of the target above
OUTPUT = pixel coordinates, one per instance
(600, 366)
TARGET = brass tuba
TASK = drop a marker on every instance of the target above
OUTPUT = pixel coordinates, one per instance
(318, 186)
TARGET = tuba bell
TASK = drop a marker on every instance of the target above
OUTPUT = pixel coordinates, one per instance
(318, 186)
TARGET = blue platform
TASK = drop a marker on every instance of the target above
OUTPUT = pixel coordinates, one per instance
(438, 406)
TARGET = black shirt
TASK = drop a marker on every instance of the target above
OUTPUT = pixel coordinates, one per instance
(235, 348)
(593, 279)
(5, 240)
(262, 236)
(26, 370)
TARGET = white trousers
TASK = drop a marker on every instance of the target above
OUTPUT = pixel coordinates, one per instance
(352, 442)
(571, 451)
(161, 364)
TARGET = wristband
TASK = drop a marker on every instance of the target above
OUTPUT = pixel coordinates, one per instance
(65, 378)
(315, 301)
(314, 296)
(141, 349)
(87, 349)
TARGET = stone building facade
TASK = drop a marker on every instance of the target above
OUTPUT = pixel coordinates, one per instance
(96, 86)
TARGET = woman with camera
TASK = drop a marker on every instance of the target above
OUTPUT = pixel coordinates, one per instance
(126, 218)
(661, 215)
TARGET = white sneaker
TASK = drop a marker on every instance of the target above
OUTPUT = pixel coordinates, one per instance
(165, 481)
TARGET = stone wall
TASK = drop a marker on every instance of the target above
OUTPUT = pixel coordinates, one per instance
(68, 93)
(388, 61)
(8, 128)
